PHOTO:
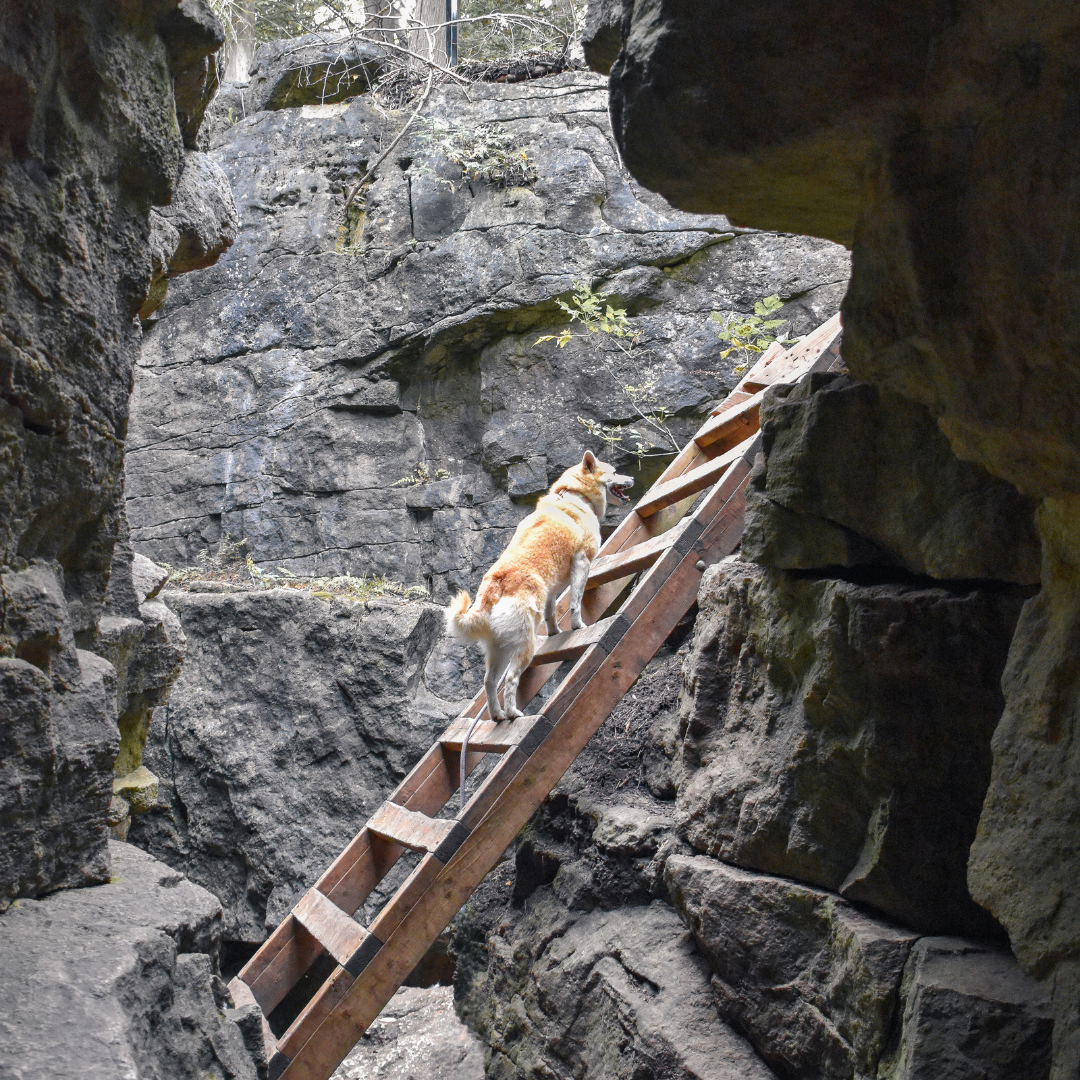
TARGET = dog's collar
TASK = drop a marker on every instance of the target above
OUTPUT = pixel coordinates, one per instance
(581, 498)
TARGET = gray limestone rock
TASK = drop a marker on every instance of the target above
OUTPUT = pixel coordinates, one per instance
(293, 718)
(602, 34)
(970, 1013)
(194, 229)
(96, 101)
(416, 1034)
(855, 476)
(840, 734)
(613, 994)
(811, 981)
(340, 350)
(117, 980)
(1026, 855)
(315, 69)
(59, 741)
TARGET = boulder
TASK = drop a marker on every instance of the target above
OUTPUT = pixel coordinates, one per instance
(601, 35)
(344, 349)
(194, 229)
(118, 980)
(192, 33)
(1026, 854)
(59, 741)
(970, 1013)
(417, 1033)
(856, 476)
(839, 734)
(810, 980)
(316, 69)
(292, 720)
(611, 994)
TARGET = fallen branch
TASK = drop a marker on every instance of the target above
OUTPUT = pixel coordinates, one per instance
(397, 138)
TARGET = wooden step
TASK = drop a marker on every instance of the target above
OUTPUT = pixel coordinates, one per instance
(417, 831)
(673, 491)
(335, 931)
(728, 429)
(490, 736)
(570, 644)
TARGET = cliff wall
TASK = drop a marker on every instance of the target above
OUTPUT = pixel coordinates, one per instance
(937, 141)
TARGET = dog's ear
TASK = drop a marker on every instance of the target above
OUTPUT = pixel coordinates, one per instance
(588, 462)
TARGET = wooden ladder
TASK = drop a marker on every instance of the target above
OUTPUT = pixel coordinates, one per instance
(669, 538)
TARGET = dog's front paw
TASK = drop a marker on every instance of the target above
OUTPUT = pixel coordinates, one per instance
(577, 622)
(514, 713)
(552, 628)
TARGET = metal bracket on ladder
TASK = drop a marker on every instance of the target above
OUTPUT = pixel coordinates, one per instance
(659, 552)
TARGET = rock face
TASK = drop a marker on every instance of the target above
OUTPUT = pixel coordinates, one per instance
(92, 139)
(970, 1011)
(853, 476)
(574, 942)
(812, 981)
(417, 1033)
(118, 980)
(951, 184)
(59, 742)
(343, 349)
(292, 719)
(840, 734)
(616, 994)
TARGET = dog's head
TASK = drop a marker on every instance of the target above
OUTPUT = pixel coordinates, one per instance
(595, 480)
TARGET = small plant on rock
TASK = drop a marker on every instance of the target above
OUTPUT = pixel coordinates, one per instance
(484, 153)
(421, 474)
(750, 334)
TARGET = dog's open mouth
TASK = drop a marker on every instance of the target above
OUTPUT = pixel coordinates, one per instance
(619, 492)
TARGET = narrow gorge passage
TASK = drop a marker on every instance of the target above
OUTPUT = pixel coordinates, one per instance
(252, 439)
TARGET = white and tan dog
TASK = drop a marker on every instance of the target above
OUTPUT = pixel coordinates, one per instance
(552, 548)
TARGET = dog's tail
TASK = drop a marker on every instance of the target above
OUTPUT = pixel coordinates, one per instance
(463, 621)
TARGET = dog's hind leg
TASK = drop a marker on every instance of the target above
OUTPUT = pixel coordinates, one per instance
(513, 676)
(549, 612)
(579, 574)
(497, 660)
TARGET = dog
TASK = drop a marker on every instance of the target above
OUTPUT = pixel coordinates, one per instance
(552, 548)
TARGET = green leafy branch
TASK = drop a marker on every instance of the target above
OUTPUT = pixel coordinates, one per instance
(748, 334)
(596, 316)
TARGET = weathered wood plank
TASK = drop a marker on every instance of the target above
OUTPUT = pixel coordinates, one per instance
(335, 931)
(570, 644)
(489, 736)
(409, 828)
(690, 483)
(296, 953)
(730, 428)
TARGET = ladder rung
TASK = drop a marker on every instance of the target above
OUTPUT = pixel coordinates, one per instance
(631, 561)
(682, 487)
(415, 830)
(331, 927)
(489, 736)
(570, 644)
(731, 427)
